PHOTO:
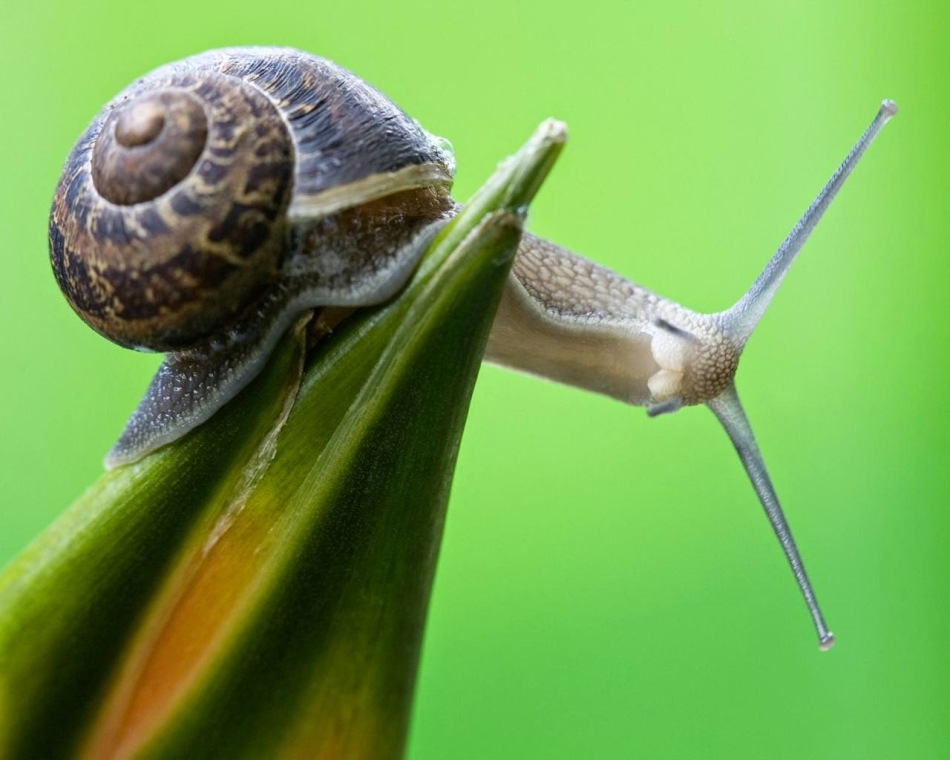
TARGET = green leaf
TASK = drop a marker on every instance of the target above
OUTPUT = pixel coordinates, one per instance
(259, 588)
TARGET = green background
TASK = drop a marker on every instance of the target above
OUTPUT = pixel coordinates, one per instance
(607, 585)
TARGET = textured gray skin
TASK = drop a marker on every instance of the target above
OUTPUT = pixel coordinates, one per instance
(190, 386)
(561, 317)
(568, 319)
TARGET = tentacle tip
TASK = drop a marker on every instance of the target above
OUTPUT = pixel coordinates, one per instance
(826, 641)
(888, 108)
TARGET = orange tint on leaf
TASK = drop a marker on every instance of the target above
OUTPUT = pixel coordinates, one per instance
(201, 604)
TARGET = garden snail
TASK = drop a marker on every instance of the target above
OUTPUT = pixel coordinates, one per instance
(216, 199)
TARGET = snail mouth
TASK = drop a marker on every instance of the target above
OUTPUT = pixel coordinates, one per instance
(672, 348)
(148, 145)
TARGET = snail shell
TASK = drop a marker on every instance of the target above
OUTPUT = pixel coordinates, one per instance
(216, 198)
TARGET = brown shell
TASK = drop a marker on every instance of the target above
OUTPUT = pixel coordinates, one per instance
(171, 214)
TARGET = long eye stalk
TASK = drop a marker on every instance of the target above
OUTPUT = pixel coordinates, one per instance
(738, 323)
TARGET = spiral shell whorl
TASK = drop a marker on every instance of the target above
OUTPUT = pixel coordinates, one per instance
(169, 216)
(148, 145)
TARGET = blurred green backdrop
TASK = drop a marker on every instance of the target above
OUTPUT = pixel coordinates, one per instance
(607, 585)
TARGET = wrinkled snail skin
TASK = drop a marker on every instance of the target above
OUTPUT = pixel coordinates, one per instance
(568, 319)
(217, 199)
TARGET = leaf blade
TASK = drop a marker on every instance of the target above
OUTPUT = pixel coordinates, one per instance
(315, 569)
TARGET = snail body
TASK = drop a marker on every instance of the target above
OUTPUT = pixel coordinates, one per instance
(216, 199)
